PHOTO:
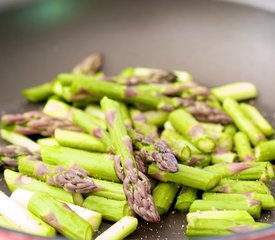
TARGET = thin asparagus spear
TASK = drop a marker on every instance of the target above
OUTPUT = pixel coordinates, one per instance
(185, 198)
(50, 141)
(243, 147)
(58, 109)
(223, 157)
(120, 230)
(38, 93)
(265, 151)
(157, 118)
(95, 110)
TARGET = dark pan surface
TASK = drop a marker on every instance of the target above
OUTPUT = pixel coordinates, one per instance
(217, 42)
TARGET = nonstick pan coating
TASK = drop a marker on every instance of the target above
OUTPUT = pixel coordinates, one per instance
(217, 42)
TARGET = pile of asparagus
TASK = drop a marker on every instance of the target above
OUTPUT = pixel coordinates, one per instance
(136, 144)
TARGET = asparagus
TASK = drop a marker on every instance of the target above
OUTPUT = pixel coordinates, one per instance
(59, 216)
(6, 223)
(239, 91)
(242, 122)
(185, 123)
(266, 200)
(120, 229)
(16, 180)
(50, 141)
(95, 111)
(189, 176)
(98, 165)
(224, 143)
(23, 219)
(111, 210)
(223, 157)
(265, 151)
(157, 117)
(243, 147)
(253, 207)
(241, 186)
(19, 140)
(58, 109)
(136, 185)
(257, 118)
(38, 93)
(164, 195)
(185, 198)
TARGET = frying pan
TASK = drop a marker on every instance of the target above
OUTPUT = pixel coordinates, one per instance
(217, 42)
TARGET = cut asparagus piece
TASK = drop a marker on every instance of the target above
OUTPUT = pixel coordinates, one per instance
(241, 186)
(58, 109)
(95, 111)
(266, 200)
(257, 118)
(120, 230)
(98, 165)
(38, 93)
(253, 207)
(6, 223)
(239, 91)
(16, 180)
(111, 210)
(223, 157)
(23, 219)
(232, 107)
(157, 118)
(59, 216)
(79, 140)
(164, 195)
(185, 198)
(186, 124)
(243, 147)
(47, 141)
(265, 151)
(19, 140)
(189, 176)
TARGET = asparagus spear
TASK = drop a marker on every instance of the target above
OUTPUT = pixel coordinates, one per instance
(16, 180)
(38, 93)
(185, 198)
(265, 151)
(6, 223)
(95, 111)
(189, 176)
(185, 123)
(223, 157)
(120, 230)
(50, 141)
(156, 117)
(243, 147)
(59, 216)
(136, 184)
(23, 219)
(111, 210)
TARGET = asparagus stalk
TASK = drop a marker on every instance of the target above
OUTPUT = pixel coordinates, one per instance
(223, 157)
(238, 91)
(47, 142)
(253, 207)
(19, 140)
(59, 216)
(22, 197)
(241, 186)
(136, 185)
(266, 200)
(120, 230)
(185, 198)
(156, 117)
(257, 118)
(184, 122)
(38, 93)
(98, 165)
(95, 111)
(265, 151)
(58, 109)
(6, 223)
(23, 219)
(242, 122)
(164, 195)
(16, 180)
(189, 176)
(111, 210)
(243, 147)
(183, 76)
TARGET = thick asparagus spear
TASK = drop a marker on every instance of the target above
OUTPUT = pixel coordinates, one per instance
(49, 141)
(38, 93)
(185, 198)
(243, 147)
(223, 157)
(157, 118)
(59, 216)
(265, 151)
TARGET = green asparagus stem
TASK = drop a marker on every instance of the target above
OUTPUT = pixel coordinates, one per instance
(266, 200)
(111, 210)
(213, 129)
(185, 198)
(6, 223)
(257, 118)
(265, 151)
(120, 230)
(243, 147)
(241, 186)
(79, 140)
(239, 91)
(253, 207)
(157, 118)
(95, 111)
(242, 122)
(38, 93)
(164, 195)
(16, 180)
(184, 122)
(183, 76)
(98, 165)
(189, 176)
(47, 142)
(59, 216)
(58, 109)
(23, 219)
(19, 140)
(223, 157)
(136, 184)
